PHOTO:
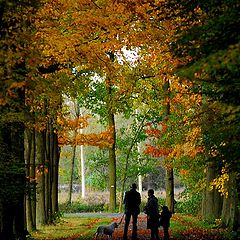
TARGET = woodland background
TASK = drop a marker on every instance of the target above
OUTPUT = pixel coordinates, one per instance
(168, 69)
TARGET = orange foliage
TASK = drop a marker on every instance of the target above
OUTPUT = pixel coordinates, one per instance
(78, 123)
(156, 151)
(156, 132)
(184, 172)
(69, 135)
(102, 140)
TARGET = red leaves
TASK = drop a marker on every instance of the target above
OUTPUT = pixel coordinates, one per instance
(201, 234)
(156, 151)
(156, 133)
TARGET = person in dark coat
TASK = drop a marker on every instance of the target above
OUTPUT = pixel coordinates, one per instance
(165, 221)
(152, 211)
(132, 201)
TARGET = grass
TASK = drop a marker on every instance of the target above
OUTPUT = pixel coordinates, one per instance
(83, 228)
(70, 227)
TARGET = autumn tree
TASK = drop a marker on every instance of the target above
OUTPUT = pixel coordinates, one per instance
(89, 35)
(209, 48)
(15, 38)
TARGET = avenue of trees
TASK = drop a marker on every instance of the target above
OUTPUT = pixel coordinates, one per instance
(170, 67)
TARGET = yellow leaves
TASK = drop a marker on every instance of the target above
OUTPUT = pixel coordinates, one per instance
(221, 182)
(11, 91)
(81, 122)
(194, 135)
(189, 147)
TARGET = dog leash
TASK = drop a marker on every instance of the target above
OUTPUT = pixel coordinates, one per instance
(121, 219)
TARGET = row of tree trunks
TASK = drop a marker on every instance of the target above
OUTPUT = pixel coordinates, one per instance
(42, 160)
(230, 214)
(217, 206)
(212, 200)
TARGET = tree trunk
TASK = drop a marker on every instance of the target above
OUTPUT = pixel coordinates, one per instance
(169, 180)
(82, 161)
(31, 184)
(169, 184)
(72, 173)
(212, 201)
(230, 210)
(124, 174)
(52, 157)
(33, 180)
(112, 166)
(55, 167)
(82, 170)
(112, 153)
(48, 172)
(13, 182)
(40, 177)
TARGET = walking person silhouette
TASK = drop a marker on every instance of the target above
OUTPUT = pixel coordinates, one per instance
(165, 221)
(132, 201)
(152, 211)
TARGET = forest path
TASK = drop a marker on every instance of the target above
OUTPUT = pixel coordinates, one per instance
(191, 232)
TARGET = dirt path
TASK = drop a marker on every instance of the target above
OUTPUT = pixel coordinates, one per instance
(192, 233)
(143, 232)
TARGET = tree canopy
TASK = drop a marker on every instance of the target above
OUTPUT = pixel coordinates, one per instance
(183, 79)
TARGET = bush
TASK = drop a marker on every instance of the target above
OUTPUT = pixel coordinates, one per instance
(77, 207)
(161, 202)
(189, 204)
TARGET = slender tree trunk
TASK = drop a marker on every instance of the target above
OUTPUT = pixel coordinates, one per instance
(82, 171)
(124, 174)
(112, 166)
(169, 180)
(30, 174)
(139, 154)
(82, 161)
(48, 172)
(139, 176)
(72, 173)
(169, 184)
(52, 157)
(33, 180)
(40, 175)
(112, 153)
(55, 168)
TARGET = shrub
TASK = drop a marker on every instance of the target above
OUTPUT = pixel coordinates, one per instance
(190, 204)
(77, 207)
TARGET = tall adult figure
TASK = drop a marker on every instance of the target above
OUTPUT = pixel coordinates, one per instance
(152, 211)
(132, 201)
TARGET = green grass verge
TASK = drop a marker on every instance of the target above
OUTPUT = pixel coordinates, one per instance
(70, 227)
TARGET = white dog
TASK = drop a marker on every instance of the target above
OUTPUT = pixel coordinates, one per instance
(108, 230)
